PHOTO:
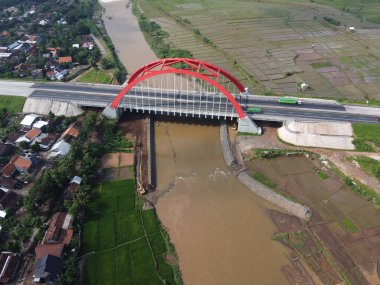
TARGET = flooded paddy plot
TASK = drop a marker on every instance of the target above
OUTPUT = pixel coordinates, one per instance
(276, 43)
(340, 216)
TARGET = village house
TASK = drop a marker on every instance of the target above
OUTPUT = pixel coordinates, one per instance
(59, 229)
(29, 120)
(65, 59)
(71, 132)
(49, 249)
(17, 163)
(10, 183)
(30, 136)
(72, 188)
(9, 265)
(60, 148)
(47, 269)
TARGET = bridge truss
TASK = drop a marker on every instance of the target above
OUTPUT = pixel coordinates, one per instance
(182, 86)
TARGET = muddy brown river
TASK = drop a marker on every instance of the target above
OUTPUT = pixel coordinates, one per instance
(129, 41)
(221, 231)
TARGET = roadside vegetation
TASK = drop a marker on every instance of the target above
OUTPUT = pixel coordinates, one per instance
(125, 244)
(369, 165)
(95, 75)
(366, 137)
(11, 104)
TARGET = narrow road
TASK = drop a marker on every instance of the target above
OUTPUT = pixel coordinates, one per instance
(99, 44)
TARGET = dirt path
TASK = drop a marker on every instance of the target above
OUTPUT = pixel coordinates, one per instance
(338, 157)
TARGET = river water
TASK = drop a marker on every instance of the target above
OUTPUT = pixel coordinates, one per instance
(221, 230)
(129, 41)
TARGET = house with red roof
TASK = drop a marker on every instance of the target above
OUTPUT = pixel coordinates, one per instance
(17, 163)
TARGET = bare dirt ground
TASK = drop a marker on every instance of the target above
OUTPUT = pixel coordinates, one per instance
(338, 157)
(117, 159)
(134, 125)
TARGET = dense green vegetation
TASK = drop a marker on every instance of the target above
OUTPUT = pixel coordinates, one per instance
(128, 243)
(332, 20)
(273, 153)
(370, 165)
(11, 104)
(366, 136)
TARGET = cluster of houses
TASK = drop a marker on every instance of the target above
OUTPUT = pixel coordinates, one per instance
(33, 130)
(18, 54)
(48, 262)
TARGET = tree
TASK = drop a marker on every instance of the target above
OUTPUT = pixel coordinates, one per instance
(35, 147)
(24, 145)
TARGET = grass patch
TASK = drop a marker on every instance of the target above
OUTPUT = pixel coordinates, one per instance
(12, 104)
(349, 225)
(369, 165)
(95, 76)
(321, 64)
(322, 175)
(365, 136)
(264, 180)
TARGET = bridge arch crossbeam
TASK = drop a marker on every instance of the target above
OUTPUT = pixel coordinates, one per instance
(206, 73)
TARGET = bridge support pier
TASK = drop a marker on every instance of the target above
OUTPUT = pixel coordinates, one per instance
(111, 113)
(247, 125)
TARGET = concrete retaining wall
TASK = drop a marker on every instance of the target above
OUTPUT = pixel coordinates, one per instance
(327, 135)
(264, 192)
(151, 152)
(43, 107)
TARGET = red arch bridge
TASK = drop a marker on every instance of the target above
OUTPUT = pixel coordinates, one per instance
(184, 87)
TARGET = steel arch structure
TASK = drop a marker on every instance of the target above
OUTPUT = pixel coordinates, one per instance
(192, 67)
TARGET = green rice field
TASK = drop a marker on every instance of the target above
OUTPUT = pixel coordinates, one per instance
(122, 243)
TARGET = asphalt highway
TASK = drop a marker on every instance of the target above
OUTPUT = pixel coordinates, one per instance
(104, 96)
(98, 91)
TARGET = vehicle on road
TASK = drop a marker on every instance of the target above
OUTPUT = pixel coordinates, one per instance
(254, 110)
(289, 100)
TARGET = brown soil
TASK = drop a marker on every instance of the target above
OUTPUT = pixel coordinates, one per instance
(135, 125)
(118, 159)
(295, 272)
(171, 259)
(331, 201)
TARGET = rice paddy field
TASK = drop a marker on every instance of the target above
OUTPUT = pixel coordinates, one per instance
(271, 46)
(338, 213)
(122, 243)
